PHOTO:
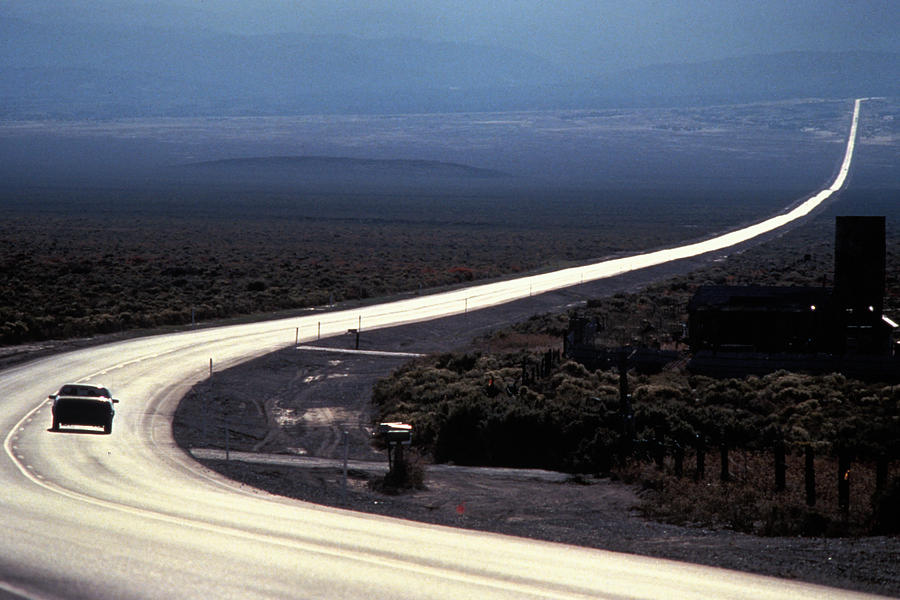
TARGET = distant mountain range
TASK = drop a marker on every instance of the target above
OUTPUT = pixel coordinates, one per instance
(95, 71)
(760, 78)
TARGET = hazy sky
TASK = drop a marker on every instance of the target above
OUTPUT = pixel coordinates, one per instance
(585, 36)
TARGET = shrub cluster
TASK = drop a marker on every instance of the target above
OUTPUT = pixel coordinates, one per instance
(471, 409)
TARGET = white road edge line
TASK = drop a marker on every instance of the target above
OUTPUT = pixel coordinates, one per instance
(17, 591)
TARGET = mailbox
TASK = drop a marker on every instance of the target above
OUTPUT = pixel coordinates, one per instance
(395, 433)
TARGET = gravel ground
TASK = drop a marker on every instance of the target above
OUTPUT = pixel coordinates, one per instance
(299, 403)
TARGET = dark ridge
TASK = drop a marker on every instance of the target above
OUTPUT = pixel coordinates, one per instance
(321, 165)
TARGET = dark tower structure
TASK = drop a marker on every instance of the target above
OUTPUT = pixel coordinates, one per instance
(859, 281)
(859, 263)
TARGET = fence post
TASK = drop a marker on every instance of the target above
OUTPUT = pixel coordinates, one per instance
(346, 457)
(844, 480)
(724, 475)
(204, 406)
(780, 466)
(625, 405)
(881, 473)
(809, 475)
(659, 450)
(679, 460)
(227, 445)
(700, 473)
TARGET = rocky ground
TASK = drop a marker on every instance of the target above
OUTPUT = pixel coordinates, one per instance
(299, 402)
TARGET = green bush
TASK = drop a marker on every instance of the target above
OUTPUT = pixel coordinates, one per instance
(406, 475)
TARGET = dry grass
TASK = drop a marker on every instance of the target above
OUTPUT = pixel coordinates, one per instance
(749, 502)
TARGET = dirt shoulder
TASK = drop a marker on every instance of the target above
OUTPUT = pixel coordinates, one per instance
(299, 402)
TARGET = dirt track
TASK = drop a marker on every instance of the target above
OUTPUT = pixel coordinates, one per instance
(299, 402)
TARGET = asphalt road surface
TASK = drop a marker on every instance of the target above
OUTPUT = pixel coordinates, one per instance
(129, 515)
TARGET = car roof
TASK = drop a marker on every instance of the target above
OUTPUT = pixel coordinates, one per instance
(82, 389)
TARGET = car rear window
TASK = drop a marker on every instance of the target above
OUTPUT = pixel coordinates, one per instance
(77, 390)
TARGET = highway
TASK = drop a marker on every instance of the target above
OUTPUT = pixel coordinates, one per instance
(129, 515)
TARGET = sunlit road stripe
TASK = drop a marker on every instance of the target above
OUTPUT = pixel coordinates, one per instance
(364, 352)
(19, 592)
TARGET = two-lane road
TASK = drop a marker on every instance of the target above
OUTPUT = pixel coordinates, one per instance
(128, 515)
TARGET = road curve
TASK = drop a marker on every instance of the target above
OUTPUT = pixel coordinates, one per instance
(129, 515)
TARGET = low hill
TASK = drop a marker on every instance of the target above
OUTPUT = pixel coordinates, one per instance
(327, 170)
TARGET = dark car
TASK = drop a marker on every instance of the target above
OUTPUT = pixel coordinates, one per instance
(83, 404)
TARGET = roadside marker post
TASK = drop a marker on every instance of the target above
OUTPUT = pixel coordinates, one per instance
(204, 405)
(346, 458)
(227, 445)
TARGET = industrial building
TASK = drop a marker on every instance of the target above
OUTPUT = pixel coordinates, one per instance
(738, 330)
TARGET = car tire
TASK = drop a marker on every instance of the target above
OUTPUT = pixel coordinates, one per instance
(107, 428)
(55, 426)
